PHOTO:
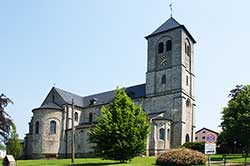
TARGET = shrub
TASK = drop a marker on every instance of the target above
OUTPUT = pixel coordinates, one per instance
(199, 146)
(181, 156)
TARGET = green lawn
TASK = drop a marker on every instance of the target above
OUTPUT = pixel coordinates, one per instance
(139, 161)
(235, 158)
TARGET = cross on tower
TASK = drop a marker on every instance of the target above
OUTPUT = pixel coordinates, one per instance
(171, 8)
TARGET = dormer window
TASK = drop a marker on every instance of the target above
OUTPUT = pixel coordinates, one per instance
(169, 45)
(92, 101)
(160, 47)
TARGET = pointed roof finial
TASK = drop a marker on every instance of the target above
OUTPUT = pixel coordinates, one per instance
(171, 8)
(54, 84)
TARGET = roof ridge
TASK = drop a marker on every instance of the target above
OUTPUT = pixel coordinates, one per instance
(67, 91)
(103, 97)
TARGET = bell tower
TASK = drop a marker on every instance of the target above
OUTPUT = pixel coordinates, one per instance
(170, 78)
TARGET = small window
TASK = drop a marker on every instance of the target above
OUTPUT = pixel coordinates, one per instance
(37, 127)
(196, 138)
(52, 127)
(163, 79)
(187, 48)
(160, 47)
(203, 138)
(76, 116)
(188, 103)
(204, 131)
(169, 45)
(162, 134)
(187, 80)
(90, 117)
(168, 134)
(187, 138)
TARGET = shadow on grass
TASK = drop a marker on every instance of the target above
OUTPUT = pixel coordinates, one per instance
(95, 164)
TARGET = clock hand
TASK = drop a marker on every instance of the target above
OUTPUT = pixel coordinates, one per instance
(164, 60)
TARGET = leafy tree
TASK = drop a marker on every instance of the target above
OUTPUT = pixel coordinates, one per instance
(199, 146)
(2, 147)
(236, 120)
(121, 131)
(14, 146)
(5, 121)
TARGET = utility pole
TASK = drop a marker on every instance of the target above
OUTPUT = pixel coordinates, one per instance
(72, 134)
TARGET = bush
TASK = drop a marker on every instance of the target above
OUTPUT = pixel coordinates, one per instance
(199, 146)
(181, 156)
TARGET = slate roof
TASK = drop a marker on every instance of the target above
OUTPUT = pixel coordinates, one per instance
(49, 106)
(168, 25)
(171, 23)
(134, 92)
(68, 96)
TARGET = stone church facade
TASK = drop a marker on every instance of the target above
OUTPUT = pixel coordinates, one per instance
(167, 97)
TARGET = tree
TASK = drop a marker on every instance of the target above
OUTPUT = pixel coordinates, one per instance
(122, 130)
(14, 147)
(2, 147)
(5, 121)
(236, 120)
(199, 146)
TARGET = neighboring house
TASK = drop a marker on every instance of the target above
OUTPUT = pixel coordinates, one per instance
(167, 97)
(201, 134)
(2, 153)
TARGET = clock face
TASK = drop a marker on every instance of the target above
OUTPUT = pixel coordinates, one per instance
(163, 60)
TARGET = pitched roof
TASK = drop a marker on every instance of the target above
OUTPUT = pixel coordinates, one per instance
(68, 96)
(168, 25)
(171, 23)
(207, 130)
(49, 106)
(134, 92)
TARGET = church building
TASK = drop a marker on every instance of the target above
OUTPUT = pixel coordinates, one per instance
(167, 96)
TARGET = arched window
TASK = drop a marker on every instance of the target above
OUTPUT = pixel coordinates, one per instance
(76, 116)
(52, 127)
(187, 138)
(187, 48)
(163, 79)
(188, 103)
(37, 127)
(169, 45)
(162, 134)
(90, 117)
(160, 47)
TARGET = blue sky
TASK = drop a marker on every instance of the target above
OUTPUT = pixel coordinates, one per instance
(91, 46)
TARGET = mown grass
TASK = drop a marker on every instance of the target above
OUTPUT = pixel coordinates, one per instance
(234, 158)
(138, 161)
